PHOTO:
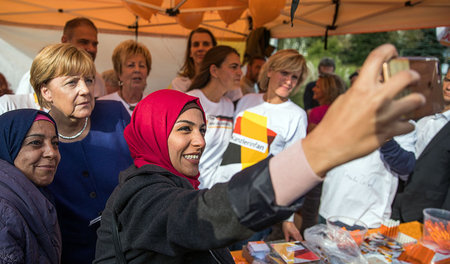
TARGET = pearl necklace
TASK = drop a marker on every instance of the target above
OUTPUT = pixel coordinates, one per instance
(77, 134)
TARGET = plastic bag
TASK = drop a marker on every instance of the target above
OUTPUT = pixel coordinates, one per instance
(335, 244)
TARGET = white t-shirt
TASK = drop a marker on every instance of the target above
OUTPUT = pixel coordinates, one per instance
(260, 129)
(363, 188)
(427, 127)
(181, 83)
(248, 101)
(219, 118)
(116, 97)
(10, 102)
(25, 87)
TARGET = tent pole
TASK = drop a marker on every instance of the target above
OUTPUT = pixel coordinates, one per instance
(175, 10)
(136, 28)
(333, 24)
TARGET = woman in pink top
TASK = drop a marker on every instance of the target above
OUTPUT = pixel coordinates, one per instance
(328, 87)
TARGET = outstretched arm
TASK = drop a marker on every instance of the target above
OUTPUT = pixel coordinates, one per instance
(357, 123)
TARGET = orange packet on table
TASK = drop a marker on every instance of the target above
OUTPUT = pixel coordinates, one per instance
(417, 254)
(412, 229)
(238, 258)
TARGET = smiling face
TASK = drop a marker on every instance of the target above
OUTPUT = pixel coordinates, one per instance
(200, 44)
(318, 91)
(134, 74)
(39, 156)
(281, 84)
(229, 73)
(186, 142)
(71, 95)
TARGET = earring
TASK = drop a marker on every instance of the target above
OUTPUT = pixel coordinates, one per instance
(120, 83)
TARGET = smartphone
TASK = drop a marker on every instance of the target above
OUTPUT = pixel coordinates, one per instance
(428, 85)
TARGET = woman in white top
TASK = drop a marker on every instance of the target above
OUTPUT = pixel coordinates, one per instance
(132, 63)
(266, 123)
(199, 42)
(220, 73)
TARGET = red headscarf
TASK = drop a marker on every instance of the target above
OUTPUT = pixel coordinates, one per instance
(150, 126)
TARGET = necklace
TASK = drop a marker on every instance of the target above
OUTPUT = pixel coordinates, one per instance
(77, 134)
(130, 106)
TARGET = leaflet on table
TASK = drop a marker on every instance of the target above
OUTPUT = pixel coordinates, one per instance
(294, 252)
(258, 249)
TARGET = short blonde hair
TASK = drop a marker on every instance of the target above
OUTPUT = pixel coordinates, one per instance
(284, 60)
(57, 60)
(129, 48)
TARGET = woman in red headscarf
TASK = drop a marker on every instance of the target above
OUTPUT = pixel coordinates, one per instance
(162, 219)
(155, 215)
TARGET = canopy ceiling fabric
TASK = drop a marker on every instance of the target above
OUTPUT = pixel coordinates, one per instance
(312, 17)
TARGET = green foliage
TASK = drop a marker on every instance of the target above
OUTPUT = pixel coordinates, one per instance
(360, 46)
(350, 51)
(426, 44)
(313, 50)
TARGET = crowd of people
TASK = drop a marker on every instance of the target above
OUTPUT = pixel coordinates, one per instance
(93, 172)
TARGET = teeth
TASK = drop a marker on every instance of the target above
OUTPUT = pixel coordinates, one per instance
(193, 157)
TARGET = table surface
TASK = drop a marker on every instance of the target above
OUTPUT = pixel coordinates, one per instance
(412, 229)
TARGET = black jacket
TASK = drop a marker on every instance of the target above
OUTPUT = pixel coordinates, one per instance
(429, 184)
(162, 219)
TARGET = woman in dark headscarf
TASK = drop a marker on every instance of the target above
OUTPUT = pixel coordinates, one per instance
(155, 215)
(29, 156)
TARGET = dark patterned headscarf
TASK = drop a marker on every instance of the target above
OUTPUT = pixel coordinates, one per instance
(14, 126)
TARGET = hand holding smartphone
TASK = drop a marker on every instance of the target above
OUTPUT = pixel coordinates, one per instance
(428, 85)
